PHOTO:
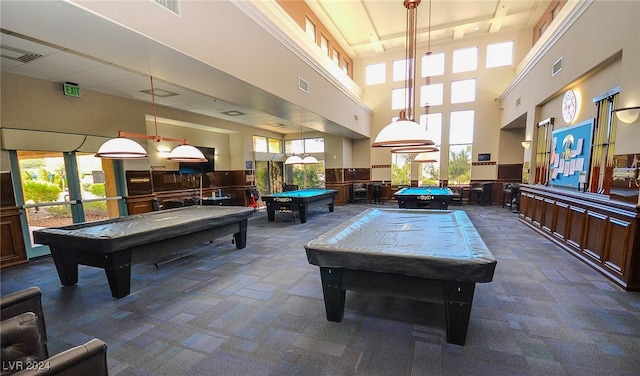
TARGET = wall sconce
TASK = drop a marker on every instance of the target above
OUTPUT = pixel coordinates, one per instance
(525, 144)
(627, 114)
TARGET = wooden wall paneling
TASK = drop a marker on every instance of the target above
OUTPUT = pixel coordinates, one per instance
(562, 217)
(525, 206)
(618, 245)
(538, 210)
(548, 217)
(599, 231)
(575, 227)
(595, 235)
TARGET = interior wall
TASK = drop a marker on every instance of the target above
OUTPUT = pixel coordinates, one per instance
(38, 105)
(598, 55)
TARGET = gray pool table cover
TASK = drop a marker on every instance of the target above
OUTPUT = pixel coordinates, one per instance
(435, 244)
(115, 234)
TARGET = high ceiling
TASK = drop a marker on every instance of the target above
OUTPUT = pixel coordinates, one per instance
(363, 27)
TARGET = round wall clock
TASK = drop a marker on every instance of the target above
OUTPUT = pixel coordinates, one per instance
(569, 106)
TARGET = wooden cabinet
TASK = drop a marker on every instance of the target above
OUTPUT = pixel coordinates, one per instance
(603, 233)
(13, 250)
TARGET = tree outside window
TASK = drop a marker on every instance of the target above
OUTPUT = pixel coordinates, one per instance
(400, 169)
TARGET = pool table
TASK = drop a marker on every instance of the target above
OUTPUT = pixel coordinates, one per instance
(300, 201)
(115, 244)
(424, 197)
(430, 255)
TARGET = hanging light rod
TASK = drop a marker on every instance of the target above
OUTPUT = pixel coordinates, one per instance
(123, 147)
(405, 131)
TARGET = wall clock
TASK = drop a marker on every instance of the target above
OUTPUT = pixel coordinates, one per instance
(569, 106)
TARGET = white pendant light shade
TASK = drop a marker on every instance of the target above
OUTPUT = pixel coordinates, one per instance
(294, 159)
(309, 160)
(402, 133)
(425, 158)
(186, 153)
(628, 114)
(121, 148)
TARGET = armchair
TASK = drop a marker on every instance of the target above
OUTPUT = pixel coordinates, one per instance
(24, 342)
(360, 192)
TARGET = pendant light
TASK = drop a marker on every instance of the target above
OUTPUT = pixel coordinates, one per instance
(123, 147)
(305, 159)
(405, 131)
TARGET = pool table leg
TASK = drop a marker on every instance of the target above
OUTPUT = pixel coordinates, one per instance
(67, 269)
(240, 237)
(334, 294)
(302, 210)
(458, 297)
(271, 214)
(118, 269)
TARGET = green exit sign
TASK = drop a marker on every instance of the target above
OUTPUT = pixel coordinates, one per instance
(72, 90)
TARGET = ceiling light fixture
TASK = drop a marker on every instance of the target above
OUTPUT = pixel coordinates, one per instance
(628, 114)
(123, 147)
(305, 159)
(525, 144)
(414, 149)
(405, 131)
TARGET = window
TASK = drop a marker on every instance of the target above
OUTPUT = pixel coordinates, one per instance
(460, 146)
(345, 67)
(399, 70)
(400, 169)
(305, 175)
(433, 65)
(324, 44)
(398, 99)
(429, 172)
(310, 28)
(308, 145)
(336, 57)
(463, 91)
(275, 146)
(260, 144)
(431, 95)
(64, 188)
(267, 145)
(499, 54)
(465, 60)
(433, 125)
(376, 73)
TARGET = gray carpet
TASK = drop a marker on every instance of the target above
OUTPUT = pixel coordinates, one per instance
(259, 311)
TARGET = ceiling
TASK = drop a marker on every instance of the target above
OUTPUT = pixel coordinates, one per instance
(362, 27)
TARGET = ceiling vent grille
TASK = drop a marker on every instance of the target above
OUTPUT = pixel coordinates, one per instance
(303, 85)
(16, 54)
(160, 93)
(557, 67)
(172, 5)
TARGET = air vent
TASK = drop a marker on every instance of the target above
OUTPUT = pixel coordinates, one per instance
(557, 67)
(172, 5)
(160, 93)
(303, 85)
(233, 113)
(16, 54)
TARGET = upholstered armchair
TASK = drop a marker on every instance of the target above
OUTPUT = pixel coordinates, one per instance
(24, 342)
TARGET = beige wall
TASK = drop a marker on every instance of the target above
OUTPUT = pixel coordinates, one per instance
(598, 55)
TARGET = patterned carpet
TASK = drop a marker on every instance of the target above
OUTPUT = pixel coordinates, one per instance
(260, 311)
